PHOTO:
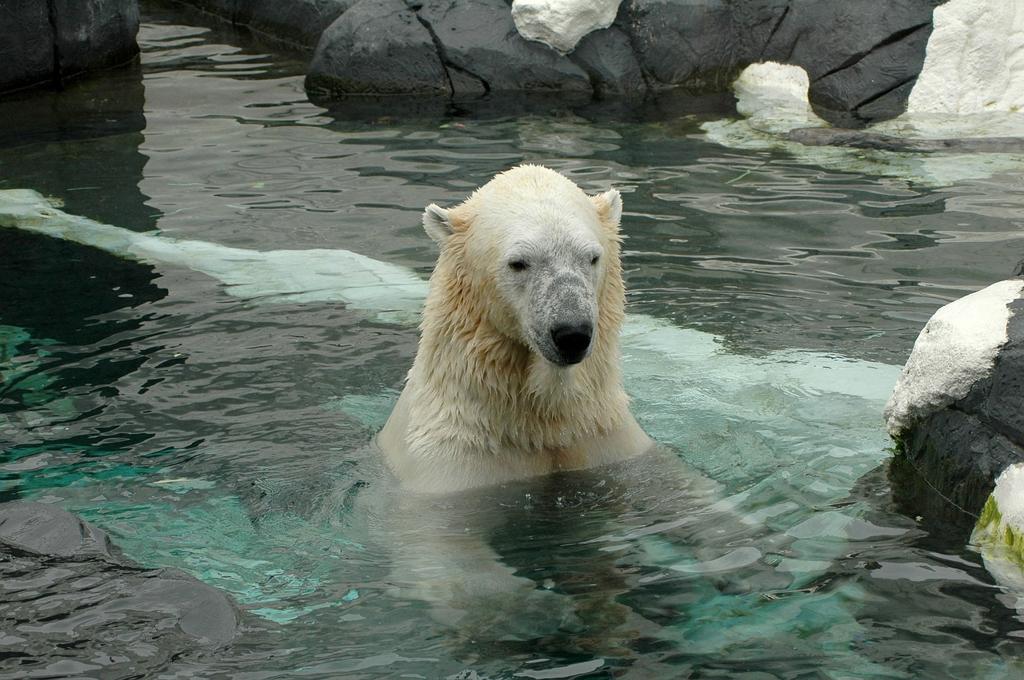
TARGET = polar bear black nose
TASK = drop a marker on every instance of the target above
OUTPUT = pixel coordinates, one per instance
(572, 341)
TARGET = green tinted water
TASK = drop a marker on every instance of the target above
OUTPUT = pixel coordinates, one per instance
(227, 434)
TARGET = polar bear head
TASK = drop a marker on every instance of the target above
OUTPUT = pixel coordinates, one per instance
(534, 258)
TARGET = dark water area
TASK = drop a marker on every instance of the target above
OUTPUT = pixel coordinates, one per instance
(229, 436)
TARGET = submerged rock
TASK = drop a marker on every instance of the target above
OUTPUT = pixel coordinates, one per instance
(47, 530)
(957, 413)
(62, 579)
(867, 139)
(50, 42)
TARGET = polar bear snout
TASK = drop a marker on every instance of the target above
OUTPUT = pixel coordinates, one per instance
(561, 314)
(572, 342)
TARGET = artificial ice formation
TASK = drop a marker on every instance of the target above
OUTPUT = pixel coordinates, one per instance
(360, 282)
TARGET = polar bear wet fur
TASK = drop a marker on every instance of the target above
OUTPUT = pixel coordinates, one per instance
(517, 372)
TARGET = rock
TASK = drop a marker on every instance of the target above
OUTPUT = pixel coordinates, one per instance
(42, 43)
(975, 62)
(223, 8)
(861, 57)
(1000, 529)
(694, 45)
(773, 98)
(866, 139)
(857, 53)
(61, 578)
(26, 45)
(93, 34)
(478, 38)
(875, 87)
(48, 530)
(377, 47)
(607, 57)
(201, 611)
(957, 348)
(299, 23)
(957, 413)
(561, 23)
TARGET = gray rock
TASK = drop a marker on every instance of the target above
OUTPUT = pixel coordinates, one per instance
(864, 139)
(479, 38)
(26, 44)
(607, 57)
(226, 9)
(201, 611)
(947, 462)
(93, 34)
(50, 42)
(44, 529)
(694, 45)
(862, 56)
(61, 579)
(998, 400)
(296, 22)
(377, 47)
(301, 22)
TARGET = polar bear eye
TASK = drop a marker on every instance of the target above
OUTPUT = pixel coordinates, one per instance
(517, 265)
(593, 260)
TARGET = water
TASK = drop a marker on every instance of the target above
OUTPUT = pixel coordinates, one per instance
(226, 433)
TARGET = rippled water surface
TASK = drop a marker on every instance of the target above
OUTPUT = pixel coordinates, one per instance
(228, 436)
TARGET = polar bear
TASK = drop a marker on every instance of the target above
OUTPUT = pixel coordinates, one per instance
(517, 371)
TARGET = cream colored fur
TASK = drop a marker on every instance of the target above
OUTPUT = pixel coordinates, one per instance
(480, 405)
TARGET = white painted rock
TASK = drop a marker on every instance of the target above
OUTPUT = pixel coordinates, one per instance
(773, 97)
(999, 532)
(975, 59)
(1002, 520)
(562, 23)
(956, 349)
(957, 416)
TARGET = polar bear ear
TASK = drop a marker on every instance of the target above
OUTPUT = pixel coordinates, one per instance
(437, 224)
(609, 206)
